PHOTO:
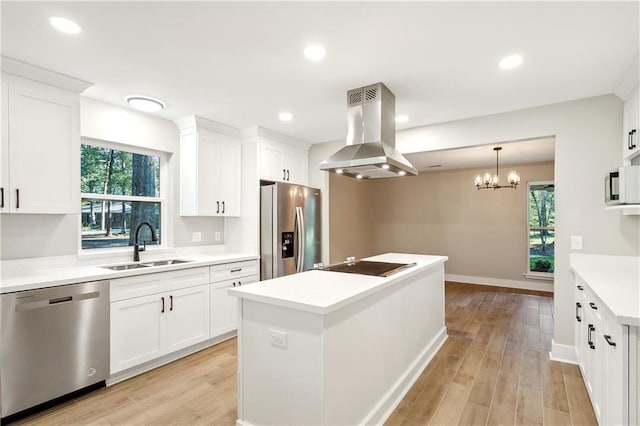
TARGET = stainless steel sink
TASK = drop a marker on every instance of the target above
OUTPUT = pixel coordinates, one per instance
(136, 265)
(166, 262)
(126, 266)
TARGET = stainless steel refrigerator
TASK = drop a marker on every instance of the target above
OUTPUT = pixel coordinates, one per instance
(290, 229)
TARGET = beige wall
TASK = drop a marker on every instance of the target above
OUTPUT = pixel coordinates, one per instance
(588, 136)
(482, 232)
(351, 226)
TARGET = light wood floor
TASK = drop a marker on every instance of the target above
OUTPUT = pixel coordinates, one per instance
(493, 369)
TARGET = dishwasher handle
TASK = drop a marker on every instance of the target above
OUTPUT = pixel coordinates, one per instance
(47, 303)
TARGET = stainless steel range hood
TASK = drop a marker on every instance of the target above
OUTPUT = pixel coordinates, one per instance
(370, 152)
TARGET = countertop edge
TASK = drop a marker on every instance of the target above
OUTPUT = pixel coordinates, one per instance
(622, 316)
(98, 273)
(323, 310)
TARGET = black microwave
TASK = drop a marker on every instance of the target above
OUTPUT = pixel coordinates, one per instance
(622, 186)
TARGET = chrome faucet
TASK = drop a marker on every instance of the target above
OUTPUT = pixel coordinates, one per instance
(136, 247)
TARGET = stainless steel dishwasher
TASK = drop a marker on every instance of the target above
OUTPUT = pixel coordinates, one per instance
(55, 341)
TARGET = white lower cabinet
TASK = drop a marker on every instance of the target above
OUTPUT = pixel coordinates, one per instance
(602, 350)
(173, 316)
(224, 316)
(188, 317)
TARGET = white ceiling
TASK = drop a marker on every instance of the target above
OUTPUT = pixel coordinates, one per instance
(484, 157)
(241, 63)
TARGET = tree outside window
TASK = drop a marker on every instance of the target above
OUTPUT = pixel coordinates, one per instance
(119, 190)
(541, 227)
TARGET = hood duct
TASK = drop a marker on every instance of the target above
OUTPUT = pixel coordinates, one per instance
(370, 152)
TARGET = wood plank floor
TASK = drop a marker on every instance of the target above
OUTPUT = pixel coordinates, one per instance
(494, 369)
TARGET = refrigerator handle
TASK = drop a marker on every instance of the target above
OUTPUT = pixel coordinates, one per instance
(297, 234)
(301, 233)
(295, 240)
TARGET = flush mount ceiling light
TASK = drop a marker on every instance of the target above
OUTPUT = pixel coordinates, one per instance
(285, 116)
(511, 62)
(315, 52)
(487, 181)
(145, 103)
(65, 25)
(401, 118)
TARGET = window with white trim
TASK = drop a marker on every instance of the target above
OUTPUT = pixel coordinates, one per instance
(120, 188)
(541, 228)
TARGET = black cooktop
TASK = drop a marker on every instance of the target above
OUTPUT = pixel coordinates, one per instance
(367, 267)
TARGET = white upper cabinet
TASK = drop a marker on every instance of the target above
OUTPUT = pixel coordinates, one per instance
(282, 162)
(40, 148)
(631, 130)
(210, 168)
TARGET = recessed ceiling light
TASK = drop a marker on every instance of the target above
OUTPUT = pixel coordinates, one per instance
(285, 116)
(315, 52)
(65, 25)
(145, 103)
(339, 171)
(510, 62)
(402, 173)
(385, 166)
(401, 118)
(359, 176)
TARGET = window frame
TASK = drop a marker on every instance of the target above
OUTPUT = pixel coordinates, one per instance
(161, 199)
(529, 273)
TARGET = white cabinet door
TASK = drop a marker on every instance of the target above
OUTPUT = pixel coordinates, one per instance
(282, 163)
(5, 191)
(230, 166)
(295, 164)
(138, 331)
(271, 163)
(631, 134)
(223, 308)
(187, 317)
(43, 144)
(616, 407)
(210, 173)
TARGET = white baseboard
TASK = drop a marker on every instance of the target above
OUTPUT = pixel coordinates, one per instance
(563, 353)
(383, 410)
(537, 285)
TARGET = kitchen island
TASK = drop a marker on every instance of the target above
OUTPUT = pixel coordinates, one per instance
(326, 347)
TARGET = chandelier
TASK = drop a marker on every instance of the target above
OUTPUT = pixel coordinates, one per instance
(487, 181)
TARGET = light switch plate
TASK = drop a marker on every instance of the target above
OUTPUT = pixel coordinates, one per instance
(217, 236)
(576, 242)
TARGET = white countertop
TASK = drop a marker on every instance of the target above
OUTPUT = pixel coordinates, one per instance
(615, 280)
(323, 291)
(20, 276)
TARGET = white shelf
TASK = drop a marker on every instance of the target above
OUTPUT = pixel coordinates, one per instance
(626, 209)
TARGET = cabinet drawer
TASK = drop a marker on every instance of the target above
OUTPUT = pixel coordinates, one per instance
(230, 271)
(187, 278)
(143, 285)
(139, 285)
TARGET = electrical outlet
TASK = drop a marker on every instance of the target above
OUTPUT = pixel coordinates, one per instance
(278, 338)
(576, 242)
(218, 237)
(196, 237)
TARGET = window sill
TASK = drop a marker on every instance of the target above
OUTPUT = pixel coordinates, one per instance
(539, 276)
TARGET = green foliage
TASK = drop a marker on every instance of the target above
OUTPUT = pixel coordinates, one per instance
(541, 264)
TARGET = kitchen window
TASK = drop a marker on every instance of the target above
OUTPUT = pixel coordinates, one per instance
(120, 188)
(541, 229)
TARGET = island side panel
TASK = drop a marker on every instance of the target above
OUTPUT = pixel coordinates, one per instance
(375, 349)
(279, 385)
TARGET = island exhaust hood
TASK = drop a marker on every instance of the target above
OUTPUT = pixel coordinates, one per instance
(370, 152)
